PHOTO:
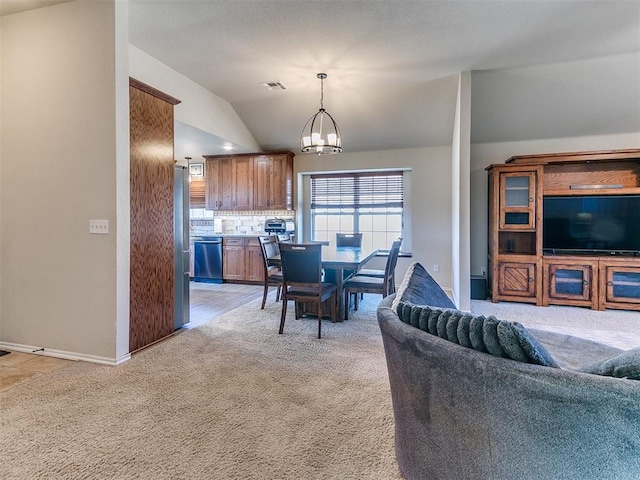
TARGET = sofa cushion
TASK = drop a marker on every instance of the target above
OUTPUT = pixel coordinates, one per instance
(500, 338)
(623, 365)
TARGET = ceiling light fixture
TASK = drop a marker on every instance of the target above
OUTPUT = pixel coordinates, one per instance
(321, 134)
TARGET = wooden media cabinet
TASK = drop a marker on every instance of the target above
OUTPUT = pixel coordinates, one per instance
(522, 267)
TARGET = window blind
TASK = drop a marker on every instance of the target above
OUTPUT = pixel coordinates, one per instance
(357, 190)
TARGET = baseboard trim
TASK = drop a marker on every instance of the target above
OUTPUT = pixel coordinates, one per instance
(49, 352)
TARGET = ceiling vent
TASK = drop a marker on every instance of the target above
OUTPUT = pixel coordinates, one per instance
(273, 86)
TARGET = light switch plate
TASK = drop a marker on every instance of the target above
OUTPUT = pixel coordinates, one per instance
(100, 227)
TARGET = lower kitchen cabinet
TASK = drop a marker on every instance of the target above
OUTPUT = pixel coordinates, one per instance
(254, 268)
(242, 260)
(233, 258)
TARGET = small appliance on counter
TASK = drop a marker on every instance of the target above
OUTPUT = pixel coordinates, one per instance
(279, 226)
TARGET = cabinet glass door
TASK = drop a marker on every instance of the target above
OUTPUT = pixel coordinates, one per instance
(517, 201)
(570, 283)
(623, 284)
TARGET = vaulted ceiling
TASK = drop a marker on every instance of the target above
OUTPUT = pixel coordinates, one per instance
(541, 68)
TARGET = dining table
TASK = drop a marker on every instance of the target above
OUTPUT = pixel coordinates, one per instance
(339, 262)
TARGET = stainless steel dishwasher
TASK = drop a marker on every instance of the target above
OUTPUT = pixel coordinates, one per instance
(208, 260)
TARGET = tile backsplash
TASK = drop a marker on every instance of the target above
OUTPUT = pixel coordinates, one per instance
(208, 222)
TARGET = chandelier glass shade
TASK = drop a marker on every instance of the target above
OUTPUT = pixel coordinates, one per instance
(321, 133)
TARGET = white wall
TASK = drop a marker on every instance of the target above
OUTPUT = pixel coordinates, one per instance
(428, 199)
(483, 155)
(199, 107)
(64, 108)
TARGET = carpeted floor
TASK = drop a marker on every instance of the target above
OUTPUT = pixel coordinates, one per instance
(229, 400)
(616, 328)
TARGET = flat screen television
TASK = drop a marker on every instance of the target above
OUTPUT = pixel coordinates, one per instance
(592, 224)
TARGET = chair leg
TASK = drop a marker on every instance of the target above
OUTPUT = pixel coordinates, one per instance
(283, 315)
(355, 304)
(264, 295)
(279, 293)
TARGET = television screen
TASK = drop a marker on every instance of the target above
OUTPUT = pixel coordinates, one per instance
(596, 223)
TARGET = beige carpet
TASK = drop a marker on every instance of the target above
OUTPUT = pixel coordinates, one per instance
(616, 328)
(229, 400)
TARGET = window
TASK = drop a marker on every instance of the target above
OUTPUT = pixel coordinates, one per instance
(370, 203)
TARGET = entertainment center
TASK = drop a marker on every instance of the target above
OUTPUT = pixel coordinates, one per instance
(564, 229)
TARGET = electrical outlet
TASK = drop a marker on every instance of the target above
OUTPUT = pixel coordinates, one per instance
(436, 268)
(100, 227)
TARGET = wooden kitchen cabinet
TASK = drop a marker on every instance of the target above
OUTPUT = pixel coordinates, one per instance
(229, 183)
(233, 258)
(254, 268)
(250, 181)
(242, 260)
(273, 182)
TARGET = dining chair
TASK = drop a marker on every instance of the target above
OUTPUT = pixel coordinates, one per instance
(272, 273)
(302, 280)
(348, 239)
(379, 273)
(362, 284)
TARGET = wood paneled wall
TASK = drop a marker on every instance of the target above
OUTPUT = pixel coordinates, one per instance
(152, 252)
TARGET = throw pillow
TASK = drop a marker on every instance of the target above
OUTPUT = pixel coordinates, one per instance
(490, 336)
(623, 365)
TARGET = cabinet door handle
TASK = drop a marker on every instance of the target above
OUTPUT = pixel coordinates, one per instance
(609, 283)
(530, 199)
(530, 279)
(585, 282)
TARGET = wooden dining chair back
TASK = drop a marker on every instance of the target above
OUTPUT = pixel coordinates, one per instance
(272, 273)
(348, 239)
(372, 272)
(362, 284)
(302, 279)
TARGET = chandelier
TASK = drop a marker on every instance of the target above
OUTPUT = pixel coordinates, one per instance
(321, 134)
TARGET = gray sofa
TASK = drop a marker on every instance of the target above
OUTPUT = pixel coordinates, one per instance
(463, 413)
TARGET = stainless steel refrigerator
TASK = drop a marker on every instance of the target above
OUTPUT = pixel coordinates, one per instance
(181, 245)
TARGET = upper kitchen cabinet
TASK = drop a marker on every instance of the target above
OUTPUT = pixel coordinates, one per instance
(229, 183)
(249, 181)
(273, 182)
